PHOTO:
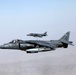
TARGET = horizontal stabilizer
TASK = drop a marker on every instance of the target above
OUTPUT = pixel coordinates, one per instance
(67, 42)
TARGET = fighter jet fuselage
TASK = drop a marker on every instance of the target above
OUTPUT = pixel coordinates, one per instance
(37, 34)
(38, 45)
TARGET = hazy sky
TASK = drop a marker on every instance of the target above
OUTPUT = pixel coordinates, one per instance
(20, 17)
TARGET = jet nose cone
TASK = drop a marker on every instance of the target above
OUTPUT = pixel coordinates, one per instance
(3, 46)
(27, 34)
(9, 46)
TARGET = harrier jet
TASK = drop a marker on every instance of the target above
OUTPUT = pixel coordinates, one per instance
(37, 34)
(35, 46)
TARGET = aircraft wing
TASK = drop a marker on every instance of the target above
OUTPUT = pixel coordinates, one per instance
(42, 43)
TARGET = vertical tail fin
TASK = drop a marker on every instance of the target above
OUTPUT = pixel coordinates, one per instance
(65, 37)
(45, 34)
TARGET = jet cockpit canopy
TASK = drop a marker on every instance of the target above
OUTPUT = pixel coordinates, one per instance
(16, 41)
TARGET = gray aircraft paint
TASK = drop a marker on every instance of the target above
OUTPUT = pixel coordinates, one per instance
(37, 34)
(30, 44)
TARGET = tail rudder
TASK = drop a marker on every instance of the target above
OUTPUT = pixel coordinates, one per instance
(65, 37)
(45, 34)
